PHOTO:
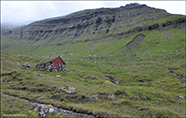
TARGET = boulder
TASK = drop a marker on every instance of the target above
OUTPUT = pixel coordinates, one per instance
(112, 80)
(43, 110)
(51, 111)
(116, 82)
(111, 97)
(58, 76)
(26, 65)
(42, 75)
(94, 97)
(17, 63)
(67, 89)
(181, 97)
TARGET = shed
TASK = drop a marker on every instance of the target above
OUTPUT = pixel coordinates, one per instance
(55, 65)
(58, 62)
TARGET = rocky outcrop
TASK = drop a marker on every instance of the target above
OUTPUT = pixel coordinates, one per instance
(112, 79)
(91, 25)
(43, 111)
(135, 41)
(85, 22)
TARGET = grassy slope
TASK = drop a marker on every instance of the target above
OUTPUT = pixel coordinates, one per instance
(40, 48)
(148, 65)
(147, 61)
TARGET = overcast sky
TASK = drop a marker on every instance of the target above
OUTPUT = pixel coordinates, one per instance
(25, 12)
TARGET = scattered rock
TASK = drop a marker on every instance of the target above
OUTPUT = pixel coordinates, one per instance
(181, 97)
(116, 82)
(111, 97)
(153, 92)
(17, 63)
(58, 76)
(42, 75)
(26, 65)
(51, 111)
(112, 80)
(67, 89)
(168, 70)
(94, 97)
(43, 110)
(106, 84)
(94, 62)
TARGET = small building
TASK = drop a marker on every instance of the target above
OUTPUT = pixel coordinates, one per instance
(55, 65)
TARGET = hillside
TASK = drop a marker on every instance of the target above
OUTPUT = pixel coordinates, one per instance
(88, 29)
(142, 47)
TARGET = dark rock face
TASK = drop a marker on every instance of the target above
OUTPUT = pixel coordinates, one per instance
(86, 22)
(135, 41)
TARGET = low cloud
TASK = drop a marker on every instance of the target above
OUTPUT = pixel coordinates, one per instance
(24, 12)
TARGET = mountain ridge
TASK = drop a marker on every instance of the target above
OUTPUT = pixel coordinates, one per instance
(87, 17)
(93, 25)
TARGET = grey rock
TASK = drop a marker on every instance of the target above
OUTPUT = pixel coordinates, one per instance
(94, 97)
(181, 97)
(26, 65)
(112, 80)
(58, 76)
(51, 111)
(111, 97)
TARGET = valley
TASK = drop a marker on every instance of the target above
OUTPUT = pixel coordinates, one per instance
(141, 47)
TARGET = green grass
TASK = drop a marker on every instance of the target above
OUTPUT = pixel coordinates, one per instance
(146, 88)
(134, 94)
(13, 106)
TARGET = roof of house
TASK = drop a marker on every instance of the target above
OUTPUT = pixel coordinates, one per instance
(59, 60)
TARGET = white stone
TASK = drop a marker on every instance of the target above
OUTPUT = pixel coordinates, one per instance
(66, 89)
(111, 97)
(58, 76)
(42, 75)
(116, 82)
(94, 97)
(181, 97)
(51, 111)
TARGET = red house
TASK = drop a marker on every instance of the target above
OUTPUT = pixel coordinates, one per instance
(58, 62)
(56, 65)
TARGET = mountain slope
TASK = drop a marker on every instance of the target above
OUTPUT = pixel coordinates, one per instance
(141, 47)
(88, 27)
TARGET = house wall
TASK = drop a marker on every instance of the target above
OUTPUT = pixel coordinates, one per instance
(56, 65)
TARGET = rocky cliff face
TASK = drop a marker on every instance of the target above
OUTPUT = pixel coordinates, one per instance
(86, 23)
(91, 31)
